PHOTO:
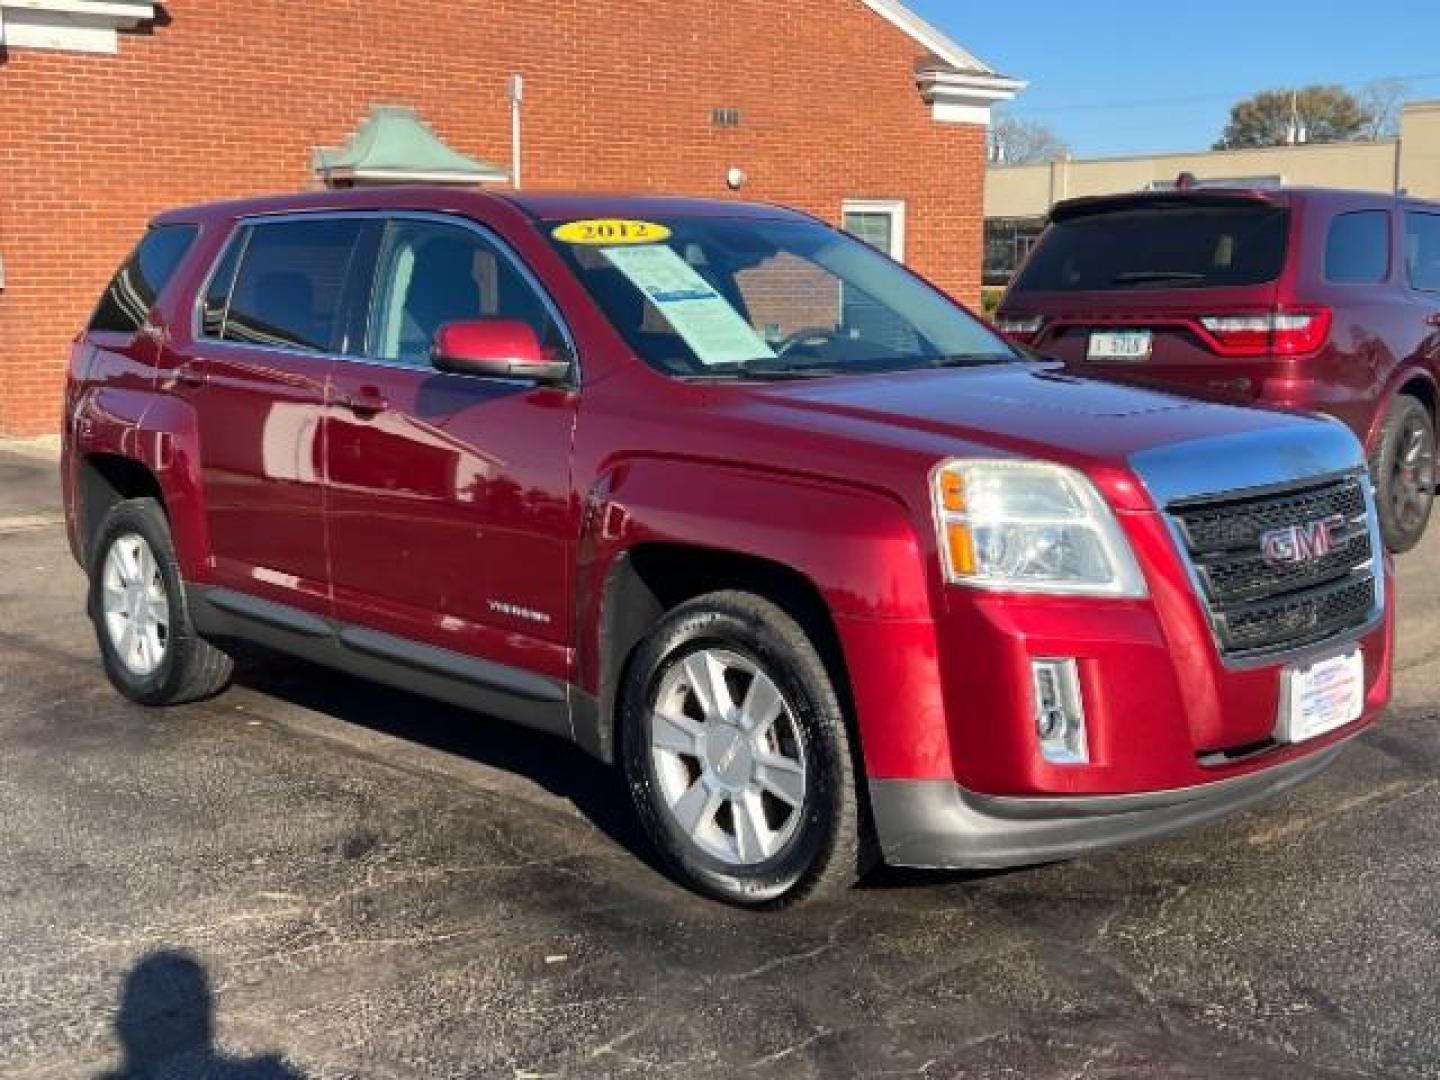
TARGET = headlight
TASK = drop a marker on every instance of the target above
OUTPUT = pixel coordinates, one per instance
(1028, 526)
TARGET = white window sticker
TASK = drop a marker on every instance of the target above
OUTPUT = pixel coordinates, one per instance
(700, 315)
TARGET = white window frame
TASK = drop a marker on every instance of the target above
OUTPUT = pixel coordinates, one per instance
(894, 207)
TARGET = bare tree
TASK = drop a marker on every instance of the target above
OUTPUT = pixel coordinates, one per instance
(1014, 141)
(1383, 101)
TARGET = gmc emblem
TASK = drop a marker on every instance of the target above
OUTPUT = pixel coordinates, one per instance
(1296, 545)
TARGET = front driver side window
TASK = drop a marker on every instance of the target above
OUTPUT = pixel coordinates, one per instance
(431, 273)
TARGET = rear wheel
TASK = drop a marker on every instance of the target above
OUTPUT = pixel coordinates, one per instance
(148, 644)
(1403, 467)
(737, 754)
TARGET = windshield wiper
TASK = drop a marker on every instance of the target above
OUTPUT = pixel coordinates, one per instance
(1138, 277)
(975, 359)
(761, 374)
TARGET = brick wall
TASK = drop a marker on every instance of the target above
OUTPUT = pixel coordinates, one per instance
(225, 99)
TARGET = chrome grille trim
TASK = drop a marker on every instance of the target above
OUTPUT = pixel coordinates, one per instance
(1259, 613)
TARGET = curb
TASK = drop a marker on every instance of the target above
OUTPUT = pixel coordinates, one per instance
(40, 447)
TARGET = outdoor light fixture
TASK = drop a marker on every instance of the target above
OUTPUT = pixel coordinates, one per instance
(735, 178)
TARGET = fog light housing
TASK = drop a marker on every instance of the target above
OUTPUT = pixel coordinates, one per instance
(1059, 711)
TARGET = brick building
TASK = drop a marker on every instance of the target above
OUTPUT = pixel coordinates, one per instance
(855, 110)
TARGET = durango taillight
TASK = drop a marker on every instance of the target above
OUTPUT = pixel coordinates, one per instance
(1275, 333)
(1023, 329)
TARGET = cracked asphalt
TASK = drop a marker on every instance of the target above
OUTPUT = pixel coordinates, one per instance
(340, 881)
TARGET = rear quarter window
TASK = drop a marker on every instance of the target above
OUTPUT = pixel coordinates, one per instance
(138, 283)
(1422, 250)
(1160, 247)
(1357, 248)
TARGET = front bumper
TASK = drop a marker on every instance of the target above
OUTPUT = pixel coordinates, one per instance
(939, 824)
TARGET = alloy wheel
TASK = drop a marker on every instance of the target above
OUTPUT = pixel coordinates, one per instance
(1412, 480)
(729, 756)
(134, 605)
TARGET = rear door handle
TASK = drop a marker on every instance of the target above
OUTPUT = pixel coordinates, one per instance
(189, 373)
(367, 401)
(155, 332)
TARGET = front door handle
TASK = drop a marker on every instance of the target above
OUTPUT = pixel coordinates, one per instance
(365, 402)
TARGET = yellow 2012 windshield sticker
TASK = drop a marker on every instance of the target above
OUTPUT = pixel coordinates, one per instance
(611, 231)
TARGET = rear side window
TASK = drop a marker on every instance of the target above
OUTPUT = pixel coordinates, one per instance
(1160, 247)
(289, 286)
(1422, 250)
(1357, 248)
(127, 302)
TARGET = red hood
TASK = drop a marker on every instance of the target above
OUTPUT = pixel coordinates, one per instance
(1023, 410)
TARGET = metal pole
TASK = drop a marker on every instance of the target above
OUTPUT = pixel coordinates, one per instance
(517, 97)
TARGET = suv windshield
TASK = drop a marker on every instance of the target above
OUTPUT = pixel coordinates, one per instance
(755, 298)
(1160, 247)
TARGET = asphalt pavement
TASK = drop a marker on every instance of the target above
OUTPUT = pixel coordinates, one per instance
(313, 877)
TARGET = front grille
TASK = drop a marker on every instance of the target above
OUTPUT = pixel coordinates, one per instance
(1259, 604)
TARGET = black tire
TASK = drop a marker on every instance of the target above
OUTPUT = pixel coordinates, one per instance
(190, 668)
(823, 855)
(1402, 465)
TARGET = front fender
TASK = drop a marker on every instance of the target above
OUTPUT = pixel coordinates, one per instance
(859, 548)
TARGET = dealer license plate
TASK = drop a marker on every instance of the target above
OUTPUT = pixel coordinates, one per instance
(1125, 346)
(1324, 696)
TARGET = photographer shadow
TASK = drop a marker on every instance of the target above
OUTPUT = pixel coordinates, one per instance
(166, 1027)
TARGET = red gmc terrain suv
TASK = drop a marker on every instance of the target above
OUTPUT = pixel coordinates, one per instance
(730, 499)
(1309, 299)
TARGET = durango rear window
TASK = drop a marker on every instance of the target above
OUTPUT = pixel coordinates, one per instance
(1163, 247)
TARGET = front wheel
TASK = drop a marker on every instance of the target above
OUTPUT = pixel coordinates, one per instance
(737, 754)
(1403, 468)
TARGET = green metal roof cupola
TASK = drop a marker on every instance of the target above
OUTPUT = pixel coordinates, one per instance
(394, 146)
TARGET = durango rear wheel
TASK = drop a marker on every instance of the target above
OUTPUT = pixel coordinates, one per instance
(148, 644)
(737, 754)
(1403, 467)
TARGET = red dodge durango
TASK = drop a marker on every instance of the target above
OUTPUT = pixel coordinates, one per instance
(732, 501)
(1301, 298)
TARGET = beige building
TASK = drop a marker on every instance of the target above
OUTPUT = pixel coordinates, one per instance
(1017, 197)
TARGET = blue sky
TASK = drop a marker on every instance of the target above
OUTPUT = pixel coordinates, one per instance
(1132, 77)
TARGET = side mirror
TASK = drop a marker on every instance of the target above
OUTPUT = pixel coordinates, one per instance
(495, 348)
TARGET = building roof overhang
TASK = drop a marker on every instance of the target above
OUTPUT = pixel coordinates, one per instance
(959, 87)
(73, 25)
(964, 97)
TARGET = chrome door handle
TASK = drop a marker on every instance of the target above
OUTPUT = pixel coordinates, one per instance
(365, 402)
(155, 332)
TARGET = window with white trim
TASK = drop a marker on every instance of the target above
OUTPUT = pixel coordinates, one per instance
(879, 222)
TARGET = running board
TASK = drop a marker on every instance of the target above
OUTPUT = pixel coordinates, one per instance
(482, 686)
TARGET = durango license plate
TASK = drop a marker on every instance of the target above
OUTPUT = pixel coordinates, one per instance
(1124, 346)
(1321, 697)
